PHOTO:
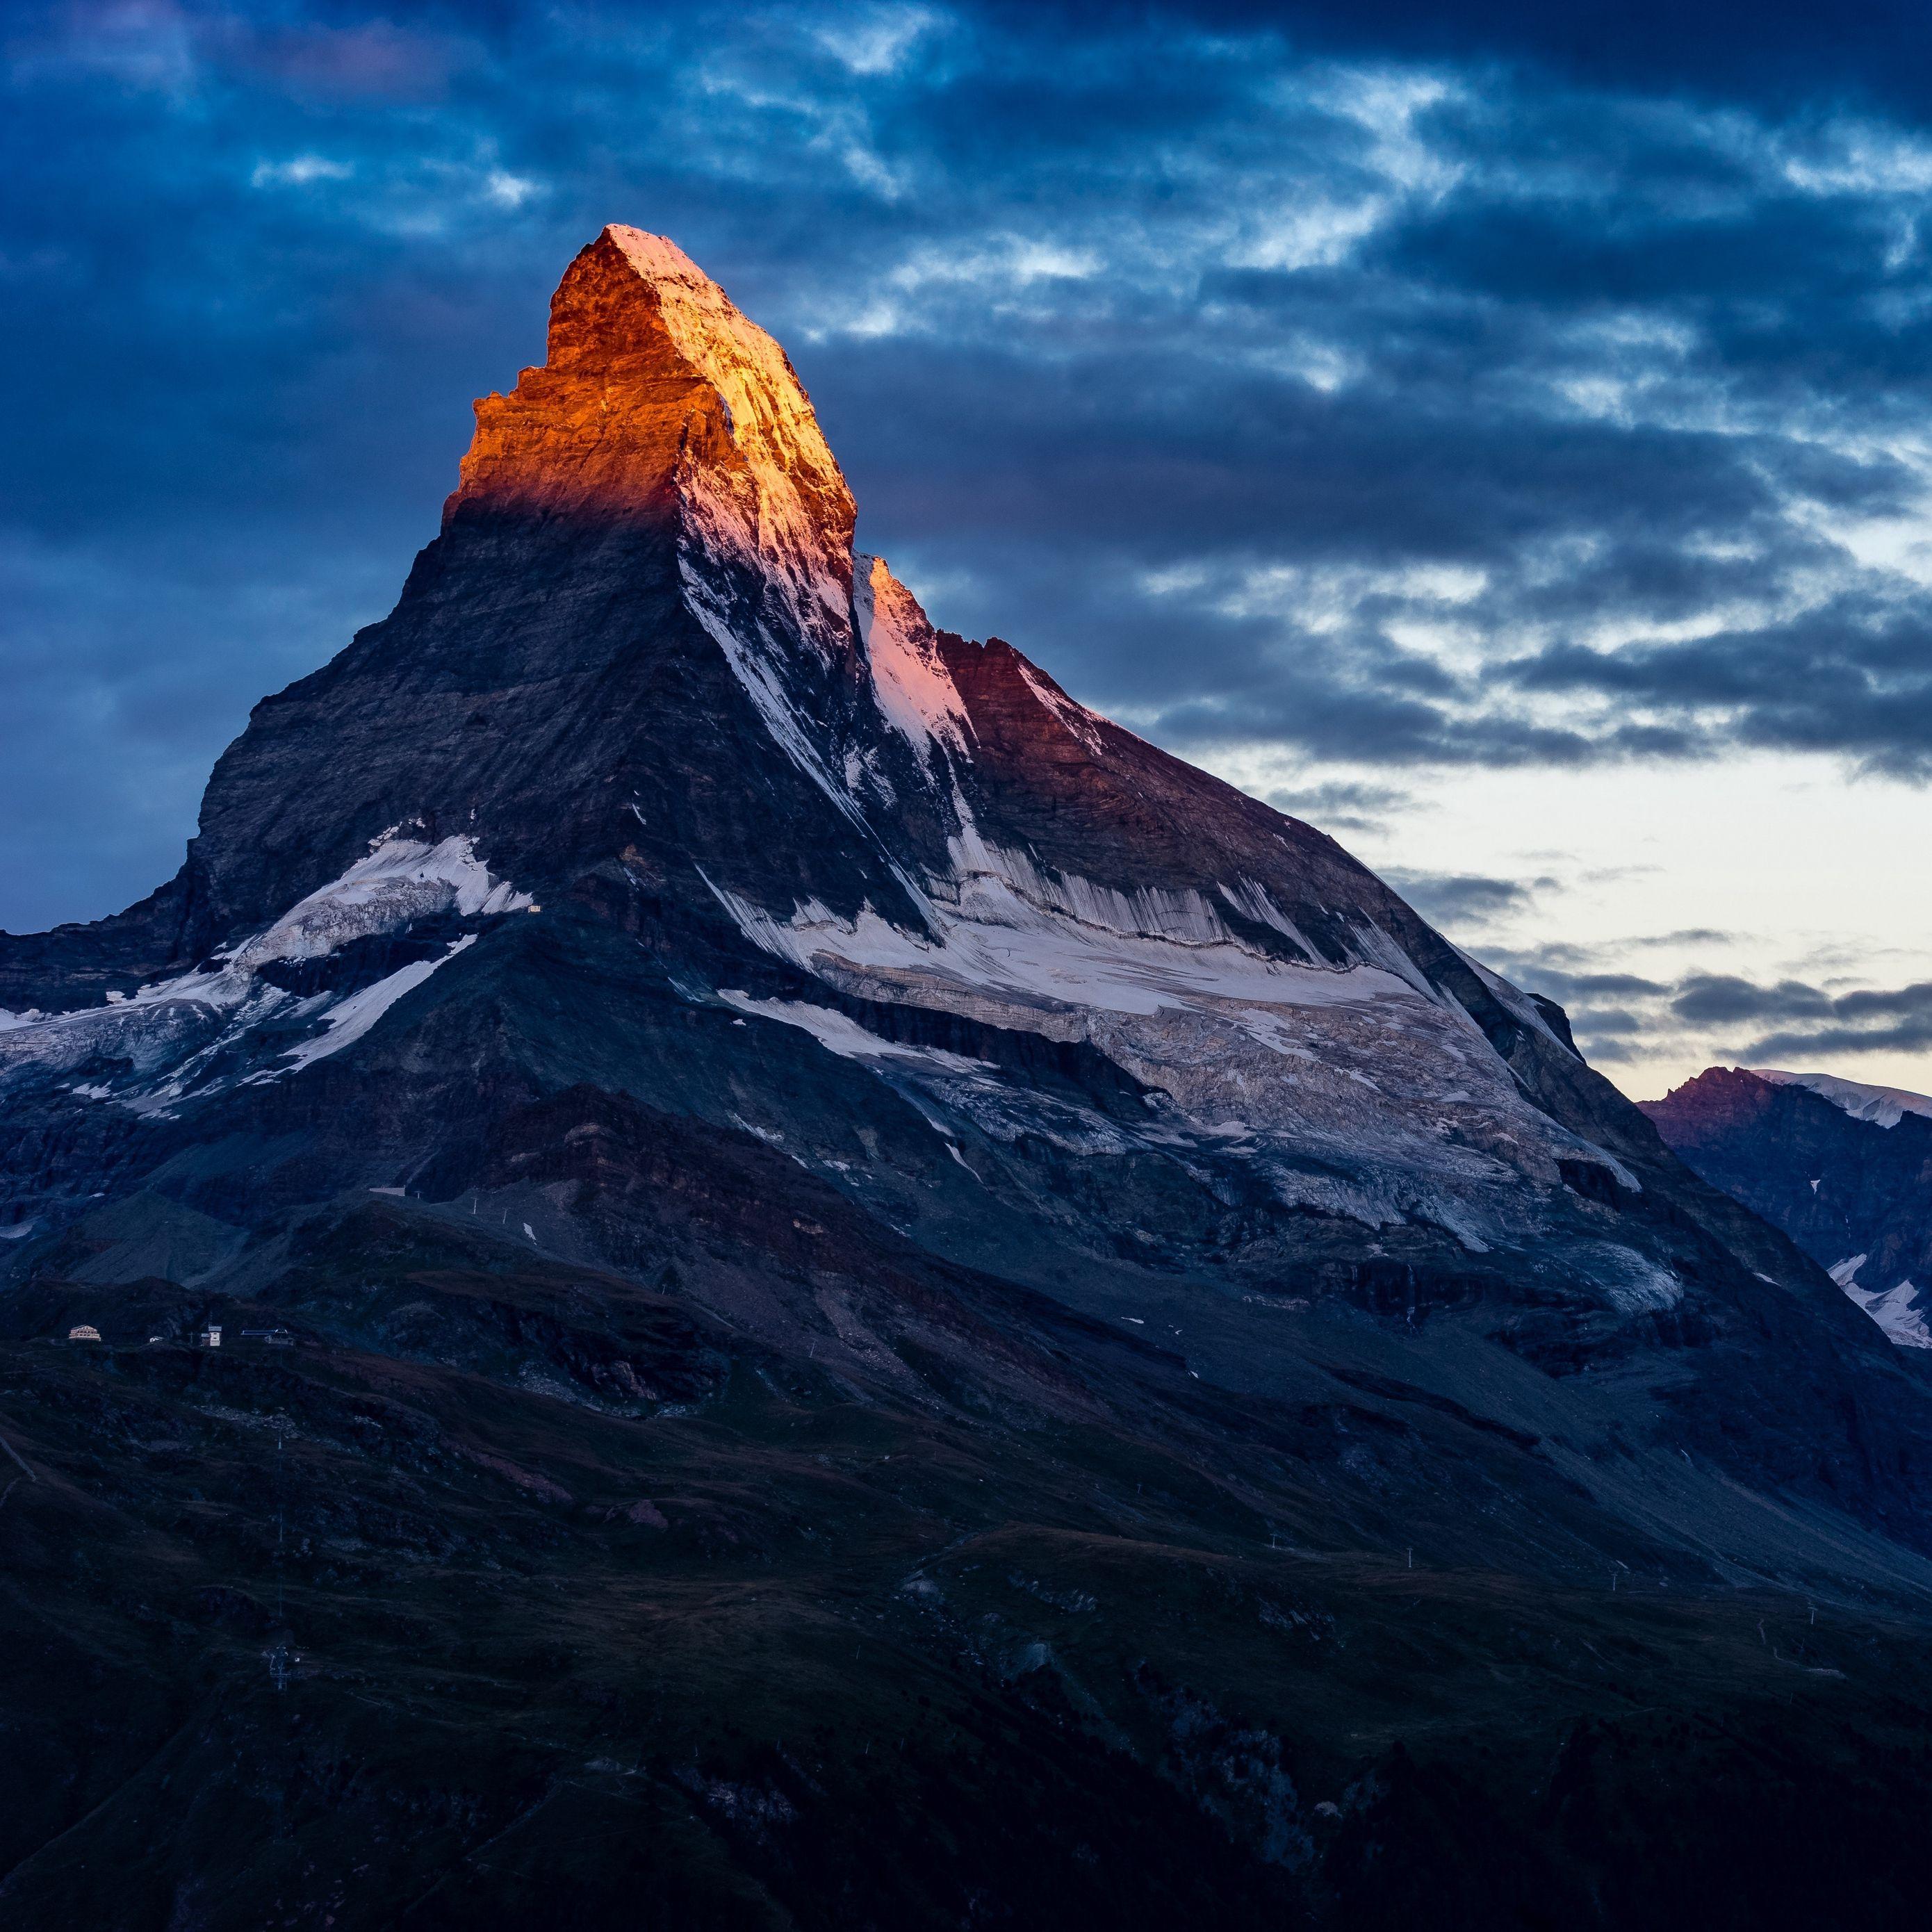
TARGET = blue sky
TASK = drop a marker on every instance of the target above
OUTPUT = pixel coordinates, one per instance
(1498, 433)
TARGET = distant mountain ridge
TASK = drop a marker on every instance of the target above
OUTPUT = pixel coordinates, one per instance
(1844, 1169)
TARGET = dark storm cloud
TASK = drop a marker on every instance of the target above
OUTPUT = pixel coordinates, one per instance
(1779, 51)
(1854, 675)
(1460, 900)
(1566, 986)
(1390, 385)
(1342, 804)
(1720, 1018)
(1807, 1019)
(1908, 1033)
(1723, 999)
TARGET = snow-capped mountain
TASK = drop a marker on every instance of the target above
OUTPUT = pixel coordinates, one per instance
(642, 714)
(642, 671)
(1844, 1169)
(641, 694)
(834, 1240)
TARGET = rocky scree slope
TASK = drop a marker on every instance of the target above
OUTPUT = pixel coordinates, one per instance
(745, 1098)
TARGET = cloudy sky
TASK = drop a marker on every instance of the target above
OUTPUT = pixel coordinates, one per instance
(1497, 433)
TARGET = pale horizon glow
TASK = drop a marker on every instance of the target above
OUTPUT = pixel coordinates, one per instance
(1778, 867)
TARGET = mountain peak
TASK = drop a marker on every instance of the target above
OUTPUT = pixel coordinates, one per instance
(656, 257)
(662, 405)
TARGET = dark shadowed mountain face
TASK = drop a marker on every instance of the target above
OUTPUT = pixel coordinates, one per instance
(850, 1298)
(1845, 1170)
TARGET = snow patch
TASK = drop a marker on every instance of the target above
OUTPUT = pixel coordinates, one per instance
(839, 1033)
(401, 880)
(914, 689)
(1356, 1088)
(1896, 1309)
(1066, 942)
(173, 1030)
(348, 1022)
(1882, 1106)
(1898, 1312)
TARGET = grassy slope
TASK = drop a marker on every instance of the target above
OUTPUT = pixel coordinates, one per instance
(761, 1646)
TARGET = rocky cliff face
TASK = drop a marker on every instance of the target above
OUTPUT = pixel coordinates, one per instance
(1845, 1170)
(656, 1000)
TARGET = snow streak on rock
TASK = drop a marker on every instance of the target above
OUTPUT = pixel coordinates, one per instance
(1882, 1106)
(1083, 724)
(909, 679)
(1900, 1310)
(348, 1022)
(1356, 1089)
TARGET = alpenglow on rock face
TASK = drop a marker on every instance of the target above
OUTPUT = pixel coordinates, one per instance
(745, 1097)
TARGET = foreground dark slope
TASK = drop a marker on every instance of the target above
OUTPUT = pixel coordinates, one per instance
(908, 1312)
